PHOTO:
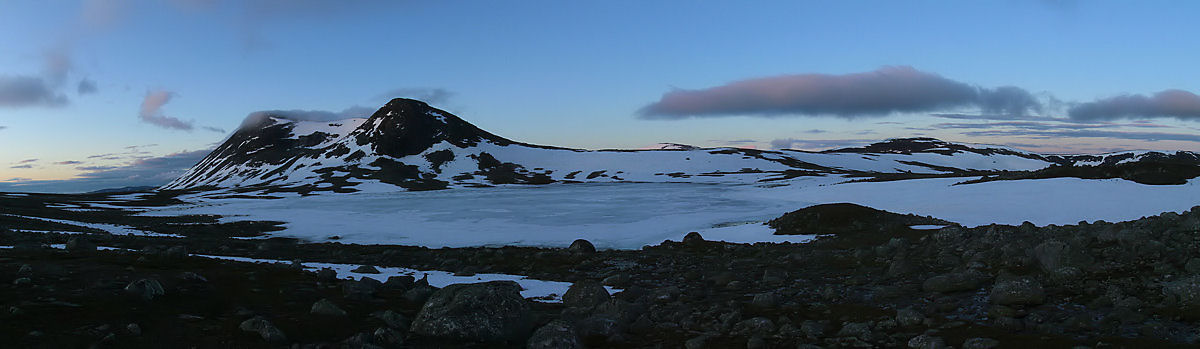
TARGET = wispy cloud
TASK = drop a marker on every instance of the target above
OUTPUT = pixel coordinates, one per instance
(817, 144)
(884, 91)
(1169, 103)
(151, 111)
(28, 91)
(432, 96)
(86, 86)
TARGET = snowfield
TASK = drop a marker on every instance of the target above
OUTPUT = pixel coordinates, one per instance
(631, 215)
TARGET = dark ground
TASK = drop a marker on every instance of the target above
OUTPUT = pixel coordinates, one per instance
(1131, 284)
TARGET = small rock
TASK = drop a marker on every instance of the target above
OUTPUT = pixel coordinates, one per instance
(927, 342)
(557, 334)
(393, 319)
(980, 343)
(860, 330)
(419, 294)
(766, 300)
(585, 294)
(693, 238)
(327, 275)
(25, 270)
(699, 342)
(952, 282)
(758, 325)
(617, 280)
(756, 342)
(190, 276)
(134, 329)
(399, 282)
(1018, 291)
(365, 269)
(388, 337)
(145, 288)
(175, 252)
(581, 246)
(326, 308)
(22, 281)
(908, 317)
(80, 245)
(264, 328)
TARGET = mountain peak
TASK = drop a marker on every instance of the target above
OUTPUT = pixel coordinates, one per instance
(405, 127)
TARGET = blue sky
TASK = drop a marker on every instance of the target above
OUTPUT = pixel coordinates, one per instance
(582, 74)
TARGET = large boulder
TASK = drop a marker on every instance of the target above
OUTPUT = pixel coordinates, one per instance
(585, 293)
(490, 311)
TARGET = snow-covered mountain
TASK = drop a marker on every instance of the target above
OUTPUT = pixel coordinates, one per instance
(410, 145)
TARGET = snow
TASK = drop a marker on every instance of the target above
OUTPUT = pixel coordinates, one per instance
(115, 229)
(631, 215)
(926, 226)
(539, 290)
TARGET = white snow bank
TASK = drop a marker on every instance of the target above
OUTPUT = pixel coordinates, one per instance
(631, 215)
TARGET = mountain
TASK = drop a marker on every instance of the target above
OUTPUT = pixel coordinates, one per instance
(411, 145)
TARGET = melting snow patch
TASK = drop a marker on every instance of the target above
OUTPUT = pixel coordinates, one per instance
(539, 290)
(927, 226)
(110, 228)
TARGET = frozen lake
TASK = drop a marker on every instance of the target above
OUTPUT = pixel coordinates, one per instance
(630, 215)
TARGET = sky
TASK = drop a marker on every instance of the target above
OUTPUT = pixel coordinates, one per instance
(110, 93)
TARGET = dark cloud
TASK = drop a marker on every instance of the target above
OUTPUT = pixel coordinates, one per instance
(432, 96)
(151, 111)
(150, 171)
(26, 161)
(28, 91)
(1178, 104)
(22, 166)
(1068, 133)
(69, 162)
(86, 86)
(880, 92)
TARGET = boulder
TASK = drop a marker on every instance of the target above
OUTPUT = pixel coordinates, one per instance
(1018, 291)
(953, 282)
(557, 334)
(80, 245)
(326, 308)
(490, 312)
(145, 288)
(581, 246)
(585, 294)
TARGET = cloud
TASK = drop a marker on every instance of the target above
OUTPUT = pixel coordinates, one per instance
(69, 162)
(26, 161)
(817, 144)
(884, 91)
(22, 166)
(1178, 104)
(1091, 133)
(257, 117)
(151, 111)
(86, 86)
(431, 96)
(27, 91)
(150, 171)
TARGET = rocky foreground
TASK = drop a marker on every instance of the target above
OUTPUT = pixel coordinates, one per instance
(1132, 284)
